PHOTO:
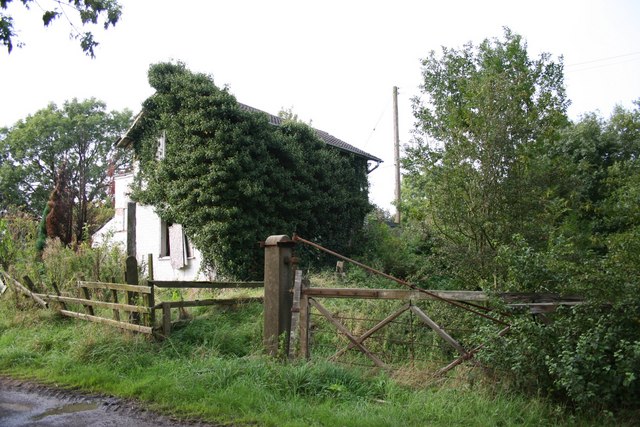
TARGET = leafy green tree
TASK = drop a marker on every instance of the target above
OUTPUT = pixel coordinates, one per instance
(79, 135)
(231, 178)
(105, 12)
(589, 353)
(484, 114)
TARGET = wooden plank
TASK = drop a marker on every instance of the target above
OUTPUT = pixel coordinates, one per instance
(24, 290)
(206, 285)
(111, 322)
(95, 303)
(400, 294)
(295, 313)
(372, 331)
(116, 286)
(438, 330)
(347, 333)
(208, 302)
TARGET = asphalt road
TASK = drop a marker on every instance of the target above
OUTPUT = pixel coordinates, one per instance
(30, 404)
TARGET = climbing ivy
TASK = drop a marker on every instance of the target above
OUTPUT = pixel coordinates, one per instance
(232, 178)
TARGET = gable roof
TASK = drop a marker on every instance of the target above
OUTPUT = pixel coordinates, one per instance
(325, 136)
(329, 139)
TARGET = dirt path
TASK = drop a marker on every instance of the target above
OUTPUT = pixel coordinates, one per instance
(30, 404)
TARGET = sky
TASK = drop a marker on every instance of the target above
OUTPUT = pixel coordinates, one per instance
(334, 63)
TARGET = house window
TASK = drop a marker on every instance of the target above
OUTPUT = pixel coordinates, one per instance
(165, 243)
(174, 244)
(188, 250)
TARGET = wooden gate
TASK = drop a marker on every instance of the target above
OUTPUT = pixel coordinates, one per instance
(472, 308)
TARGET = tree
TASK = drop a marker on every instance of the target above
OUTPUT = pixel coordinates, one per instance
(106, 12)
(232, 179)
(485, 112)
(79, 137)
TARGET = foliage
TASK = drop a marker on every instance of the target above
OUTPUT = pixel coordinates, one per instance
(7, 247)
(521, 200)
(486, 110)
(79, 137)
(29, 252)
(232, 179)
(88, 12)
(41, 240)
(59, 219)
(399, 251)
(64, 265)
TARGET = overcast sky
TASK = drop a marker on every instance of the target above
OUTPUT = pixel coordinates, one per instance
(332, 62)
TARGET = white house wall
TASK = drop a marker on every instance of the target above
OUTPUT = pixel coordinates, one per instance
(148, 236)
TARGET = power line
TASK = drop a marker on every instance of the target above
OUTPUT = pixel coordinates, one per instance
(593, 67)
(384, 110)
(602, 59)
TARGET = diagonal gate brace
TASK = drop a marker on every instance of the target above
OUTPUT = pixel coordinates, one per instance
(438, 330)
(348, 334)
(372, 331)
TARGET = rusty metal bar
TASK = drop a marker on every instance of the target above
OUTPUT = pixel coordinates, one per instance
(297, 238)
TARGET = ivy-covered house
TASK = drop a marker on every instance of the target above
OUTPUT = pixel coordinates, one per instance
(175, 254)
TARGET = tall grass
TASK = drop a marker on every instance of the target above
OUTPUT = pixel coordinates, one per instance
(214, 369)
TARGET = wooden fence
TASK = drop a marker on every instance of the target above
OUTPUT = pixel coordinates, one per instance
(166, 306)
(101, 302)
(287, 303)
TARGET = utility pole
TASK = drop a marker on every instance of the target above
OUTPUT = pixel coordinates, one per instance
(396, 152)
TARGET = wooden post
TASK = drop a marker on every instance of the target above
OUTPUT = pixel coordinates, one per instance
(277, 292)
(131, 229)
(305, 321)
(114, 298)
(166, 318)
(149, 299)
(295, 314)
(57, 291)
(84, 293)
(131, 277)
(29, 283)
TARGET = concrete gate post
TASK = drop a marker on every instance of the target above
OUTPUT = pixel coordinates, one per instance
(278, 282)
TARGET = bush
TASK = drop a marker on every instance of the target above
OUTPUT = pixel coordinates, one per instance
(589, 356)
(63, 265)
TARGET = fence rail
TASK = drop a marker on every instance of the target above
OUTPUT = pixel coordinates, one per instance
(205, 284)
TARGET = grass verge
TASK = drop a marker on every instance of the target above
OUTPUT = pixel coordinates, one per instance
(213, 369)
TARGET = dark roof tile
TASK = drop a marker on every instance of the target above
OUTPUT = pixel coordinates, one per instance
(326, 137)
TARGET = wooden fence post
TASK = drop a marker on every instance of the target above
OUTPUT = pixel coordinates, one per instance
(84, 293)
(295, 314)
(131, 229)
(278, 251)
(149, 299)
(305, 321)
(131, 277)
(166, 318)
